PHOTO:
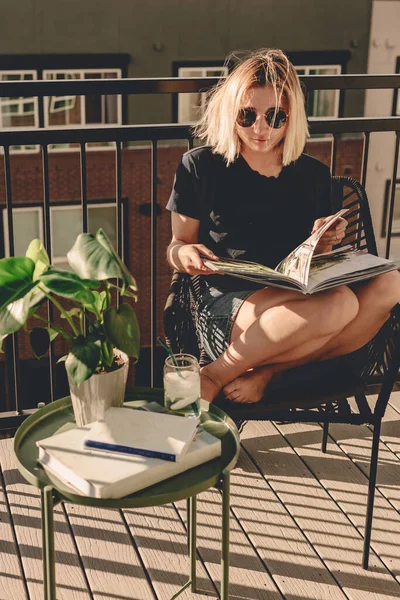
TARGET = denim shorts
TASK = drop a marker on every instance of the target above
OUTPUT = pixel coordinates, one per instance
(216, 313)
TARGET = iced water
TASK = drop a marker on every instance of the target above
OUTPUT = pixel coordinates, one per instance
(181, 390)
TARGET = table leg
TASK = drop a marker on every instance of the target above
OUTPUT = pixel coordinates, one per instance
(225, 535)
(188, 523)
(193, 541)
(49, 579)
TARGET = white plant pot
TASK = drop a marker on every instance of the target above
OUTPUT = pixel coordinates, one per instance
(94, 396)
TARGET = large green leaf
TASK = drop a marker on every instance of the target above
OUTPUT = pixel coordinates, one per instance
(93, 257)
(38, 254)
(39, 338)
(83, 359)
(99, 303)
(122, 329)
(13, 316)
(68, 285)
(15, 279)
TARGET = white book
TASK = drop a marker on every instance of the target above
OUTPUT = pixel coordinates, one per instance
(110, 475)
(130, 431)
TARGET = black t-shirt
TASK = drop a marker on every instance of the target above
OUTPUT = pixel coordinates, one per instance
(246, 215)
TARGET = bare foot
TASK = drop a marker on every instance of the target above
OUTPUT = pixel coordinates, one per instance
(250, 387)
(209, 387)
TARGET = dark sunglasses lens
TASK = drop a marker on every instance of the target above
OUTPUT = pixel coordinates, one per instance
(277, 120)
(246, 117)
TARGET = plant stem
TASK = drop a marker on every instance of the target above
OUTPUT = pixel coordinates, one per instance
(108, 355)
(108, 294)
(82, 321)
(59, 330)
(62, 311)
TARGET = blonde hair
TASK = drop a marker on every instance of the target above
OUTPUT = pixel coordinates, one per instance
(217, 127)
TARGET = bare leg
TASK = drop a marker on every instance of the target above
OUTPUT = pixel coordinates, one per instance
(279, 327)
(376, 298)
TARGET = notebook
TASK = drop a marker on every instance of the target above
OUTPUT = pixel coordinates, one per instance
(111, 475)
(151, 434)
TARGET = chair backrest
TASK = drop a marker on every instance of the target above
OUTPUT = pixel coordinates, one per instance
(349, 193)
(179, 321)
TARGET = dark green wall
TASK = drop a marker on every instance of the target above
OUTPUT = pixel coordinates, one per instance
(184, 30)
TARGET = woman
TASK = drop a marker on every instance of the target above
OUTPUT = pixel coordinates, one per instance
(251, 193)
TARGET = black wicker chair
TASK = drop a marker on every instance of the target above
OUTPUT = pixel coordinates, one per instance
(325, 392)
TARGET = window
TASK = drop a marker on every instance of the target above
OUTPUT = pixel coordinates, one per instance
(94, 109)
(66, 225)
(19, 111)
(61, 111)
(396, 210)
(191, 106)
(322, 104)
(27, 225)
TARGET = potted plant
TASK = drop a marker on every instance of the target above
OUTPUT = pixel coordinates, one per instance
(101, 336)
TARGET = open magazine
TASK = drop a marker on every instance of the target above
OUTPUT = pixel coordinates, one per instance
(308, 273)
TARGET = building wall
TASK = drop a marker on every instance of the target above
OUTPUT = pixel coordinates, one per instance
(158, 32)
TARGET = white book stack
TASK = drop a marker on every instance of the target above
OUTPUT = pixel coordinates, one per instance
(150, 434)
(102, 474)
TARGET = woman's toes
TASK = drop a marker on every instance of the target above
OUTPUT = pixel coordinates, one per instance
(228, 389)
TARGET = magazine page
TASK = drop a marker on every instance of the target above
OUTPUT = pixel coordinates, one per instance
(297, 264)
(252, 271)
(338, 268)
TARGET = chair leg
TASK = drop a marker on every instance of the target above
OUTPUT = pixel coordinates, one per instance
(325, 437)
(371, 493)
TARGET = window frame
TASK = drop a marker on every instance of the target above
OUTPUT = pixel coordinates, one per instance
(181, 97)
(19, 209)
(37, 63)
(4, 238)
(21, 100)
(311, 58)
(308, 68)
(385, 212)
(62, 206)
(82, 72)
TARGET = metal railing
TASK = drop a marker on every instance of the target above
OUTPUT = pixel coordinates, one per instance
(154, 134)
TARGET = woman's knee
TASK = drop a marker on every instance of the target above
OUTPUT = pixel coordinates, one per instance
(338, 308)
(383, 292)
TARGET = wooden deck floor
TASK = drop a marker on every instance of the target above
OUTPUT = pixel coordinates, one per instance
(296, 528)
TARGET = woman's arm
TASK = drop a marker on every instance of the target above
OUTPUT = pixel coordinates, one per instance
(184, 253)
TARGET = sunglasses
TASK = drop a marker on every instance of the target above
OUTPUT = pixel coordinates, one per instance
(275, 118)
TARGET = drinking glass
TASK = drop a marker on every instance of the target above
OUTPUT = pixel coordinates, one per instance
(181, 381)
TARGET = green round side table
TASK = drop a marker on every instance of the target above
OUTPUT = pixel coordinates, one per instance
(58, 416)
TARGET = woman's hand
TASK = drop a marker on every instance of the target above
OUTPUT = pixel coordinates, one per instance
(332, 236)
(189, 258)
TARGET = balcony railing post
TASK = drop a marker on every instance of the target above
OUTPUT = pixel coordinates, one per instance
(153, 327)
(118, 195)
(48, 246)
(13, 364)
